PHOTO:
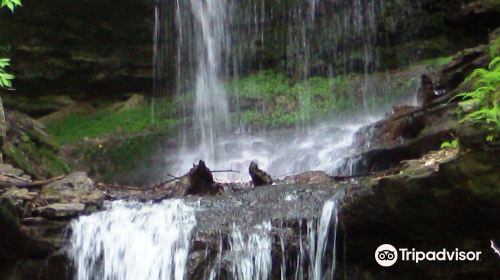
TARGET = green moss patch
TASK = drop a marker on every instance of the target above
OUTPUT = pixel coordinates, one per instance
(107, 122)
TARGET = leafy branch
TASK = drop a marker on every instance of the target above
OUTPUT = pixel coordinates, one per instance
(485, 98)
(6, 78)
(10, 4)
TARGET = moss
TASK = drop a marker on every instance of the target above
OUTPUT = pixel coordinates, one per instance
(126, 160)
(18, 156)
(272, 101)
(440, 61)
(54, 165)
(38, 161)
(107, 122)
(494, 49)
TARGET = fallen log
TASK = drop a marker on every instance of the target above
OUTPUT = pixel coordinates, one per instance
(259, 177)
(28, 184)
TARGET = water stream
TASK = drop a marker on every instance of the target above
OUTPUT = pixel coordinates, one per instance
(218, 40)
(132, 241)
(137, 241)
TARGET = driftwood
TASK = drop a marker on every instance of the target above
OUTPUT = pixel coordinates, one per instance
(343, 178)
(198, 181)
(259, 177)
(129, 188)
(27, 183)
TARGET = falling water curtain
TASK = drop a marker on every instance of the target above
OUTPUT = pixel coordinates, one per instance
(163, 59)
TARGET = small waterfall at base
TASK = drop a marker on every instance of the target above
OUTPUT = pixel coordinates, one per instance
(250, 256)
(132, 241)
(318, 235)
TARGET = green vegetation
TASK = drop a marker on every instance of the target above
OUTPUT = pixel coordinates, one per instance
(452, 144)
(6, 78)
(106, 122)
(440, 61)
(484, 98)
(267, 99)
(11, 4)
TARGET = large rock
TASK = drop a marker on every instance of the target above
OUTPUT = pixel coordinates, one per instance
(75, 188)
(29, 147)
(410, 132)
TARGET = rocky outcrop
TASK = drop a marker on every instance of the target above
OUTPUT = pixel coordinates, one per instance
(93, 50)
(431, 203)
(439, 201)
(409, 132)
(29, 147)
(97, 48)
(33, 225)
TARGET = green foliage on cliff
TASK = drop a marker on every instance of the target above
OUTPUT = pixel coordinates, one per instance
(107, 122)
(6, 78)
(485, 98)
(269, 99)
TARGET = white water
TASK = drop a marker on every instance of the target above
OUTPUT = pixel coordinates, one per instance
(215, 38)
(279, 153)
(250, 255)
(203, 31)
(318, 238)
(132, 241)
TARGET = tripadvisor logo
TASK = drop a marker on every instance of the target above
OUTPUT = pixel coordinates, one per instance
(387, 255)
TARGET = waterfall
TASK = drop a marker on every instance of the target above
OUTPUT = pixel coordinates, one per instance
(250, 255)
(218, 40)
(203, 31)
(132, 241)
(319, 237)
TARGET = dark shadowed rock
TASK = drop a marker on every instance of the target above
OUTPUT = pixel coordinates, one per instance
(61, 211)
(426, 91)
(259, 177)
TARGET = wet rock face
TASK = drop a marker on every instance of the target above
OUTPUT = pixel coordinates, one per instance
(97, 46)
(409, 132)
(430, 205)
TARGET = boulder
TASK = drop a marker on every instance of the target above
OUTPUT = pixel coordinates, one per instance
(74, 188)
(29, 147)
(426, 93)
(20, 194)
(11, 170)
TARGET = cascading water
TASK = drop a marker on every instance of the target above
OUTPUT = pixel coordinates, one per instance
(318, 236)
(203, 31)
(250, 256)
(218, 40)
(131, 241)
